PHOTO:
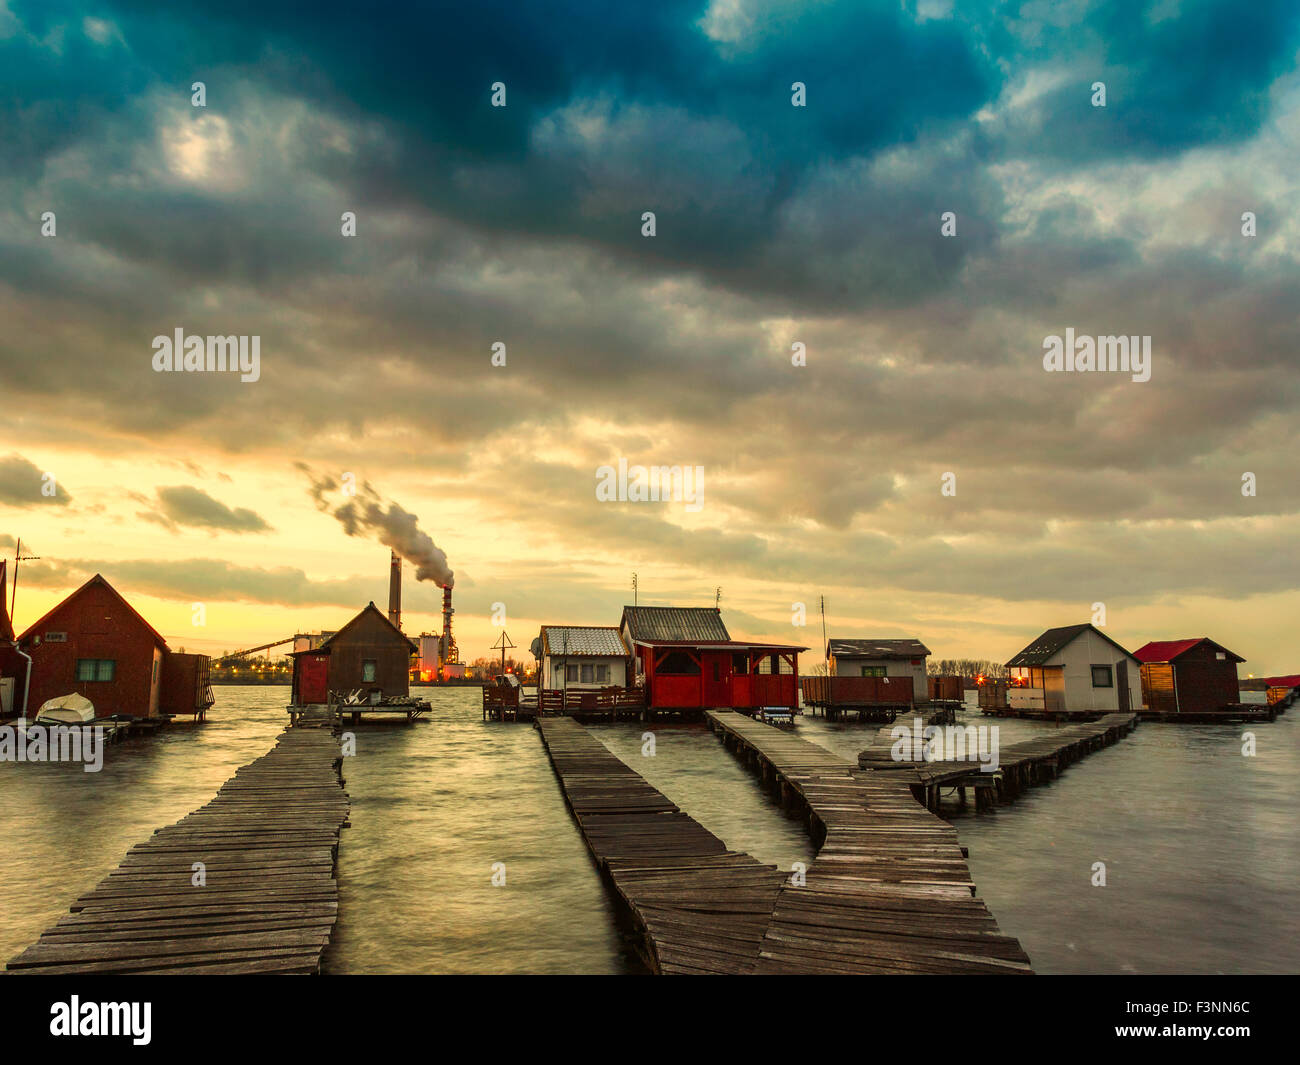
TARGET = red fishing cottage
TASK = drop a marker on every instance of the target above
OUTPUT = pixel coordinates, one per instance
(686, 660)
(97, 645)
(1195, 676)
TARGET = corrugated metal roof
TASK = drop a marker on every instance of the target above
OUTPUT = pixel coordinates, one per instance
(1168, 650)
(905, 648)
(684, 623)
(582, 640)
(1053, 640)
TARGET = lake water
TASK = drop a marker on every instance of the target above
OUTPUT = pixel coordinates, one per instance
(1200, 843)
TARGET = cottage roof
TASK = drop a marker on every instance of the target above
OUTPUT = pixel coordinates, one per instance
(591, 640)
(681, 624)
(1290, 681)
(1054, 640)
(96, 580)
(900, 648)
(370, 608)
(1169, 650)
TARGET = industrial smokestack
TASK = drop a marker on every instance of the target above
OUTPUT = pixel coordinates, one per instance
(447, 648)
(395, 591)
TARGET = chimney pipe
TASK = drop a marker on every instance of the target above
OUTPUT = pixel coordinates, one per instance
(395, 591)
(446, 647)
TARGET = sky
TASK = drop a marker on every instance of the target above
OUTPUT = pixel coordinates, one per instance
(917, 466)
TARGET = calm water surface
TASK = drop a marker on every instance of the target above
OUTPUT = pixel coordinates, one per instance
(1200, 844)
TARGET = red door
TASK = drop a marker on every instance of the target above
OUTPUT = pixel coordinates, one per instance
(313, 679)
(716, 667)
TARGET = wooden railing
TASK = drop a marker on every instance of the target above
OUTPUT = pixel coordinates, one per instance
(857, 691)
(566, 701)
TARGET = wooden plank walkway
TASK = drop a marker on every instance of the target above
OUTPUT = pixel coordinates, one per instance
(269, 845)
(698, 906)
(1021, 765)
(889, 890)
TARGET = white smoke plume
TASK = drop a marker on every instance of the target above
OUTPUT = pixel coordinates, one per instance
(368, 513)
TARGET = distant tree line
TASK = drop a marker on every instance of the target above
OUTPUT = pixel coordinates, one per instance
(970, 668)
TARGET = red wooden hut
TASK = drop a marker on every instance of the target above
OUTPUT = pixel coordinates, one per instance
(686, 660)
(1194, 676)
(369, 654)
(94, 643)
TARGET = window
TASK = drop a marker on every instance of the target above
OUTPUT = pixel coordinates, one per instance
(588, 674)
(1102, 678)
(740, 664)
(368, 671)
(602, 674)
(571, 674)
(873, 671)
(96, 669)
(717, 671)
(678, 664)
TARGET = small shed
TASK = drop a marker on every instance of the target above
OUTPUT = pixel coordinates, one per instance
(368, 654)
(1193, 676)
(581, 656)
(1074, 669)
(903, 657)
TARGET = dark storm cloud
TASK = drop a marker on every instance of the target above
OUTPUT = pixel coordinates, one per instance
(24, 484)
(1176, 74)
(521, 224)
(220, 580)
(186, 505)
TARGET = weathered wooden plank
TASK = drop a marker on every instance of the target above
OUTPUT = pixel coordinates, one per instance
(268, 898)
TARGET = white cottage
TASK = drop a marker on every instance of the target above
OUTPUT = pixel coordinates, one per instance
(881, 658)
(581, 656)
(1074, 669)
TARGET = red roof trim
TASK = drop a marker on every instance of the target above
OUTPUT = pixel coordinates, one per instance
(721, 645)
(1168, 650)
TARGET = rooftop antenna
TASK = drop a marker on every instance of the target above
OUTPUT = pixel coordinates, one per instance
(18, 557)
(717, 599)
(825, 645)
(634, 589)
(503, 643)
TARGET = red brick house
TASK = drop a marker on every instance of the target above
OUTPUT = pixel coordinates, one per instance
(96, 644)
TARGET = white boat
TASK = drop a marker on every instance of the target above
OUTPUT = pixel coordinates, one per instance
(66, 710)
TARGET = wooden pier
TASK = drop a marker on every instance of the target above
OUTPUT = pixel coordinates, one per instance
(263, 900)
(1021, 765)
(698, 907)
(889, 890)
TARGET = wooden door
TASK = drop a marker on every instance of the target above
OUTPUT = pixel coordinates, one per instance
(313, 679)
(716, 667)
(1121, 684)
